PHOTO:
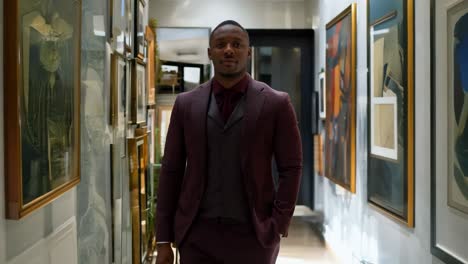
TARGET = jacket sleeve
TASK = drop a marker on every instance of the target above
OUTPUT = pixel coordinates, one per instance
(288, 156)
(172, 172)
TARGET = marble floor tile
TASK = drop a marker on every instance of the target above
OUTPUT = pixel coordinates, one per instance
(304, 245)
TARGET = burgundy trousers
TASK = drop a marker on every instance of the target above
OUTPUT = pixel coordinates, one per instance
(220, 241)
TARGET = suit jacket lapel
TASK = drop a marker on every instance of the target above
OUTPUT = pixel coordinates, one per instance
(253, 106)
(198, 125)
(236, 115)
(213, 112)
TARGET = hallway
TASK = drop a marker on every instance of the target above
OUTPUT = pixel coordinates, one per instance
(304, 245)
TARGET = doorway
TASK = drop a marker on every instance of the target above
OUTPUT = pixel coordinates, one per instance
(283, 59)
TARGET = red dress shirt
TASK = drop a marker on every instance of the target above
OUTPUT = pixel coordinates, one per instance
(227, 99)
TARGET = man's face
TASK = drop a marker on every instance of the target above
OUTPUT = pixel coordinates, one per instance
(229, 50)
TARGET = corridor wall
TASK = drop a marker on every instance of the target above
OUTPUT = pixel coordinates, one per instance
(74, 228)
(355, 230)
(36, 235)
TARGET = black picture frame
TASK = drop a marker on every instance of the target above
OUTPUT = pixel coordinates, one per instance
(436, 251)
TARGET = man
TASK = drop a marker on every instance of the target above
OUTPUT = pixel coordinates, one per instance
(216, 198)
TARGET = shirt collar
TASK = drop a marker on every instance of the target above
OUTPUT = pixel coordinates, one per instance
(239, 87)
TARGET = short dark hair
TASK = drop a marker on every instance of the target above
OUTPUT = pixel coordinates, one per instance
(229, 22)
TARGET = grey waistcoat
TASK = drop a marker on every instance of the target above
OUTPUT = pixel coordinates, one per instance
(224, 193)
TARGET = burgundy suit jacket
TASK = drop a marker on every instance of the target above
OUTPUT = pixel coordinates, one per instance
(269, 128)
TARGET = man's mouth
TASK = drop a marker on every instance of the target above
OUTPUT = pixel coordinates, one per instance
(228, 61)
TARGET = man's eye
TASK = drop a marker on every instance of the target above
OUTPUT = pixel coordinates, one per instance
(236, 45)
(220, 45)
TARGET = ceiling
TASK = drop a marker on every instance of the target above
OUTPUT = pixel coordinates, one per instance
(184, 44)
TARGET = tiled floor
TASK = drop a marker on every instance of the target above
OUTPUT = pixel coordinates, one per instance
(304, 246)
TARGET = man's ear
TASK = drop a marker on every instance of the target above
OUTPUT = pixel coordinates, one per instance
(209, 53)
(249, 53)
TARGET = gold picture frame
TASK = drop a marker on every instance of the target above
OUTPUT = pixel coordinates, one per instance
(390, 180)
(118, 90)
(42, 103)
(138, 160)
(340, 122)
(151, 65)
(138, 92)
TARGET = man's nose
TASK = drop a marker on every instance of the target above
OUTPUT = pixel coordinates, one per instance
(228, 49)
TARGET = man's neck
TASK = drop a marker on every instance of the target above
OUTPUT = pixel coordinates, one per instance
(229, 82)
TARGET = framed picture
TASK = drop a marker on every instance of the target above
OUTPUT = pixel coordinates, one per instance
(318, 154)
(164, 117)
(138, 199)
(340, 125)
(118, 90)
(42, 102)
(322, 96)
(118, 24)
(139, 29)
(449, 108)
(391, 108)
(130, 28)
(385, 87)
(117, 176)
(457, 22)
(151, 65)
(138, 104)
(129, 84)
(151, 120)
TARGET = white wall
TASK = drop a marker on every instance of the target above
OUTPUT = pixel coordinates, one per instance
(249, 13)
(354, 229)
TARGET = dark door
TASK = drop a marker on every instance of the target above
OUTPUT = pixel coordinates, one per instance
(284, 60)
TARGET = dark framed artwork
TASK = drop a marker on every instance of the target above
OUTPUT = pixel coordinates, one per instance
(340, 125)
(138, 98)
(391, 108)
(449, 137)
(42, 102)
(139, 29)
(118, 90)
(322, 95)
